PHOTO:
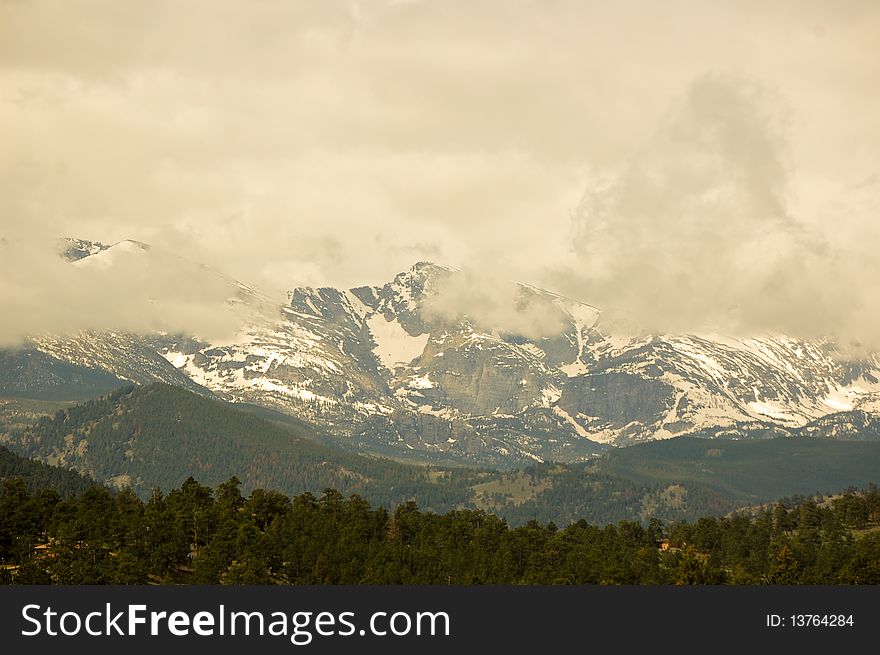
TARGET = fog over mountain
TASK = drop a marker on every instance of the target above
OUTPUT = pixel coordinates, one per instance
(433, 366)
(43, 293)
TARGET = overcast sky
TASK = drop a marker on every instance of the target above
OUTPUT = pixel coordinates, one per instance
(683, 163)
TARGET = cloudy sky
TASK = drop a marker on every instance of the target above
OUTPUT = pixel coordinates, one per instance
(681, 163)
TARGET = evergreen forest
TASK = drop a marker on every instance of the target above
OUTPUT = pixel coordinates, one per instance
(196, 534)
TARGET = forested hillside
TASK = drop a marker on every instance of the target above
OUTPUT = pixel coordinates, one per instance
(198, 535)
(37, 476)
(159, 435)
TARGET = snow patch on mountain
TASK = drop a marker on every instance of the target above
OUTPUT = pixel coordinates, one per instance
(394, 346)
(420, 382)
(775, 411)
(577, 427)
(550, 395)
(106, 258)
(839, 401)
(358, 309)
(574, 369)
(534, 350)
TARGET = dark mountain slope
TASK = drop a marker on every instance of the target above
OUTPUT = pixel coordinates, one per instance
(158, 435)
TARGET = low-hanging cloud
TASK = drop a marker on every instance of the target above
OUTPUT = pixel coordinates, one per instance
(696, 231)
(338, 142)
(493, 303)
(138, 291)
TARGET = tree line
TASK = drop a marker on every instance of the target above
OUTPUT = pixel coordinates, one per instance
(196, 534)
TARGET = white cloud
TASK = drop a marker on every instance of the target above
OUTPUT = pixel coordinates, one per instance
(696, 231)
(337, 142)
(133, 290)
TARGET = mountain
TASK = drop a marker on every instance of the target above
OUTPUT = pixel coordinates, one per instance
(745, 471)
(84, 366)
(38, 476)
(680, 479)
(395, 370)
(159, 435)
(378, 369)
(31, 373)
(370, 367)
(75, 249)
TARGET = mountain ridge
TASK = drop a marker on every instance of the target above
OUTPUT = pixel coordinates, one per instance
(400, 369)
(158, 436)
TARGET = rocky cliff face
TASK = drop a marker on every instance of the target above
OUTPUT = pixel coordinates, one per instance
(381, 369)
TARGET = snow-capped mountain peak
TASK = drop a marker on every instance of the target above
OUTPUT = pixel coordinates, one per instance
(383, 369)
